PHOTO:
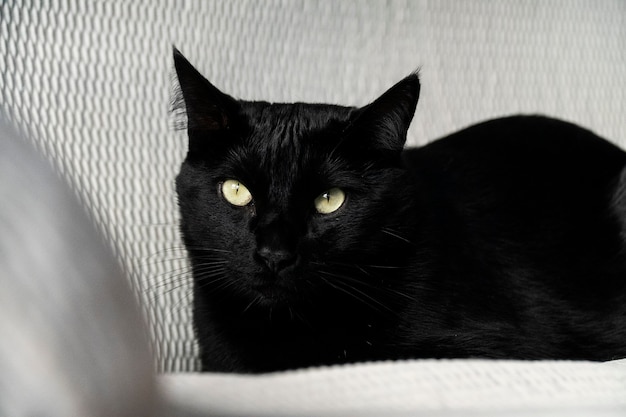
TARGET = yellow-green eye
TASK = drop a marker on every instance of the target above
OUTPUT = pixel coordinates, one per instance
(330, 201)
(236, 193)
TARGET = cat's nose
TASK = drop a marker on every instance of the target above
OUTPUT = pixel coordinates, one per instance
(276, 259)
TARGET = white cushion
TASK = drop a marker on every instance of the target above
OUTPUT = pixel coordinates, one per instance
(426, 387)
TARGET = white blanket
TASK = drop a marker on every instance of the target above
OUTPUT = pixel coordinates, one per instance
(422, 387)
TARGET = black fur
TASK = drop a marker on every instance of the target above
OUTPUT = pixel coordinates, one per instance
(504, 240)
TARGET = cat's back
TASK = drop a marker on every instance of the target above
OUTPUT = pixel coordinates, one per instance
(520, 157)
(527, 217)
(531, 191)
(522, 142)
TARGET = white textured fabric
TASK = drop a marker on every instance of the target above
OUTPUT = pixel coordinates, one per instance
(89, 82)
(433, 388)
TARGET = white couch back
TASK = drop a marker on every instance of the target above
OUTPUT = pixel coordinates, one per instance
(89, 82)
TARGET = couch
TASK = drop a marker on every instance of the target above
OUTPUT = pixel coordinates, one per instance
(88, 85)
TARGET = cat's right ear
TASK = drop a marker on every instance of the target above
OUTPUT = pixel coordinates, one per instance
(206, 107)
(385, 121)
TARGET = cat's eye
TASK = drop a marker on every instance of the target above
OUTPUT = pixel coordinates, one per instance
(330, 201)
(236, 193)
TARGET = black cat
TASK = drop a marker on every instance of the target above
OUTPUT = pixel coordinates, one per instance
(315, 238)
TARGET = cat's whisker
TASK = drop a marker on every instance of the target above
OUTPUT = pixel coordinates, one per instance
(353, 288)
(360, 268)
(210, 252)
(254, 301)
(271, 312)
(155, 293)
(210, 277)
(180, 278)
(221, 278)
(395, 234)
(366, 283)
(202, 282)
(380, 288)
(372, 286)
(301, 318)
(175, 271)
(369, 166)
(208, 273)
(170, 248)
(346, 291)
(211, 262)
(384, 266)
(186, 270)
(206, 249)
(186, 297)
(174, 288)
(208, 270)
(155, 262)
(167, 286)
(182, 249)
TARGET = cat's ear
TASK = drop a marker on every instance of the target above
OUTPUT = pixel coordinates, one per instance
(385, 122)
(206, 107)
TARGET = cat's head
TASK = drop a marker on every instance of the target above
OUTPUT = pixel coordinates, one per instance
(280, 202)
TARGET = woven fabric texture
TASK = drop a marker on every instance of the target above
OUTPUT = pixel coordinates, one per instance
(90, 81)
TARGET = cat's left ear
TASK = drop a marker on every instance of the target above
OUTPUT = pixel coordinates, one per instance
(384, 123)
(206, 107)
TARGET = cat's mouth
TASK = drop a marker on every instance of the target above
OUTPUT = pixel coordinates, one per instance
(270, 295)
(272, 288)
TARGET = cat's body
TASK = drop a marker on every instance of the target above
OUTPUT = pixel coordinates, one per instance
(529, 261)
(504, 240)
